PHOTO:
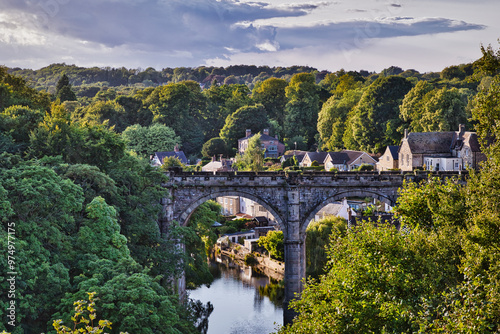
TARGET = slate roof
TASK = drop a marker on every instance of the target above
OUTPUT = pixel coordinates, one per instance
(431, 142)
(394, 151)
(262, 137)
(317, 156)
(299, 157)
(339, 158)
(179, 155)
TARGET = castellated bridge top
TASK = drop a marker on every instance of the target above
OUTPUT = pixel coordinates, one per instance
(293, 199)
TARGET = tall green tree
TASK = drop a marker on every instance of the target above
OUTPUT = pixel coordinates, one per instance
(64, 91)
(332, 119)
(179, 107)
(375, 120)
(271, 93)
(302, 108)
(148, 140)
(248, 117)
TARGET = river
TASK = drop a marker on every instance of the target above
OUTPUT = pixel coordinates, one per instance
(239, 307)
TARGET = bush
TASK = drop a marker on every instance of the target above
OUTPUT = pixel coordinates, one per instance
(251, 260)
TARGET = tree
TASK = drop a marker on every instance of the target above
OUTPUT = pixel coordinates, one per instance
(426, 109)
(253, 158)
(19, 122)
(375, 120)
(272, 95)
(378, 280)
(333, 117)
(214, 147)
(248, 117)
(302, 108)
(317, 240)
(179, 106)
(145, 141)
(64, 92)
(273, 243)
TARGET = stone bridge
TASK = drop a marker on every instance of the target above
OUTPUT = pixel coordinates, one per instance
(292, 198)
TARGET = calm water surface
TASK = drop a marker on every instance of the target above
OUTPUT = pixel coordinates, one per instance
(239, 308)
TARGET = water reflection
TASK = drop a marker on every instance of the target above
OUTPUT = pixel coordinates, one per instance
(241, 301)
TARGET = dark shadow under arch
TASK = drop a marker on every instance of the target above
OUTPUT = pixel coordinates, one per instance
(186, 214)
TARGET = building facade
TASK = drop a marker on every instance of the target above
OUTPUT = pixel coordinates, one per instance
(272, 146)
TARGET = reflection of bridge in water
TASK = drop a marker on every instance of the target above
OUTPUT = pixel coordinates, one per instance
(292, 198)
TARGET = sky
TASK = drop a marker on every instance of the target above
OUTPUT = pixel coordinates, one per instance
(425, 35)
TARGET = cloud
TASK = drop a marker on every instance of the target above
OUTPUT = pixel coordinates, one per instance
(353, 34)
(186, 32)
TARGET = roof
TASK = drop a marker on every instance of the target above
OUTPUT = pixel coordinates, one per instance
(317, 156)
(262, 137)
(470, 138)
(393, 150)
(430, 142)
(332, 209)
(299, 157)
(179, 155)
(338, 158)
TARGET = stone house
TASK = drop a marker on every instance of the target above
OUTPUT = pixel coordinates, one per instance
(347, 160)
(389, 160)
(158, 157)
(309, 157)
(273, 147)
(445, 151)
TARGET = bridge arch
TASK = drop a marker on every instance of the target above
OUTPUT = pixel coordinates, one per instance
(189, 209)
(339, 197)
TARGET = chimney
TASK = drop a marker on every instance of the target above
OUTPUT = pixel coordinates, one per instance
(406, 134)
(266, 131)
(176, 148)
(461, 129)
(248, 132)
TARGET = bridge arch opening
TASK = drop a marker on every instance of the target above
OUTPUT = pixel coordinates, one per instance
(188, 211)
(339, 197)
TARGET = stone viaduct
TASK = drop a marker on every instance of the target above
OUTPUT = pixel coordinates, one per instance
(292, 198)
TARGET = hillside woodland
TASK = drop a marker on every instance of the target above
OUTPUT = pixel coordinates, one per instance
(79, 200)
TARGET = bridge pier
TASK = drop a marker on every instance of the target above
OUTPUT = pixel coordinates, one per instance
(295, 254)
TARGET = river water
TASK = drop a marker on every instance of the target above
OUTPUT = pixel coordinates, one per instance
(239, 307)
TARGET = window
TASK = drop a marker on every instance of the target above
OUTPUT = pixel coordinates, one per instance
(387, 158)
(466, 152)
(407, 159)
(456, 164)
(272, 148)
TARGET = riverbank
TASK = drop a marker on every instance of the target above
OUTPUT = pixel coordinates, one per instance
(264, 264)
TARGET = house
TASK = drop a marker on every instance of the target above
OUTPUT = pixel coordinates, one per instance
(242, 207)
(347, 160)
(158, 157)
(309, 157)
(273, 147)
(222, 165)
(230, 205)
(389, 160)
(337, 209)
(440, 151)
(299, 156)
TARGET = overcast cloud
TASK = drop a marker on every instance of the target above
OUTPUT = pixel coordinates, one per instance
(169, 33)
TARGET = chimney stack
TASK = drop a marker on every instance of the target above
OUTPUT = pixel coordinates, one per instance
(248, 133)
(176, 148)
(266, 131)
(406, 133)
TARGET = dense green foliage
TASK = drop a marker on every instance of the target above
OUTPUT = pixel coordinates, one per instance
(85, 209)
(439, 273)
(82, 216)
(273, 243)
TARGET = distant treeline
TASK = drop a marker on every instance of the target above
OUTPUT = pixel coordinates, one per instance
(47, 77)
